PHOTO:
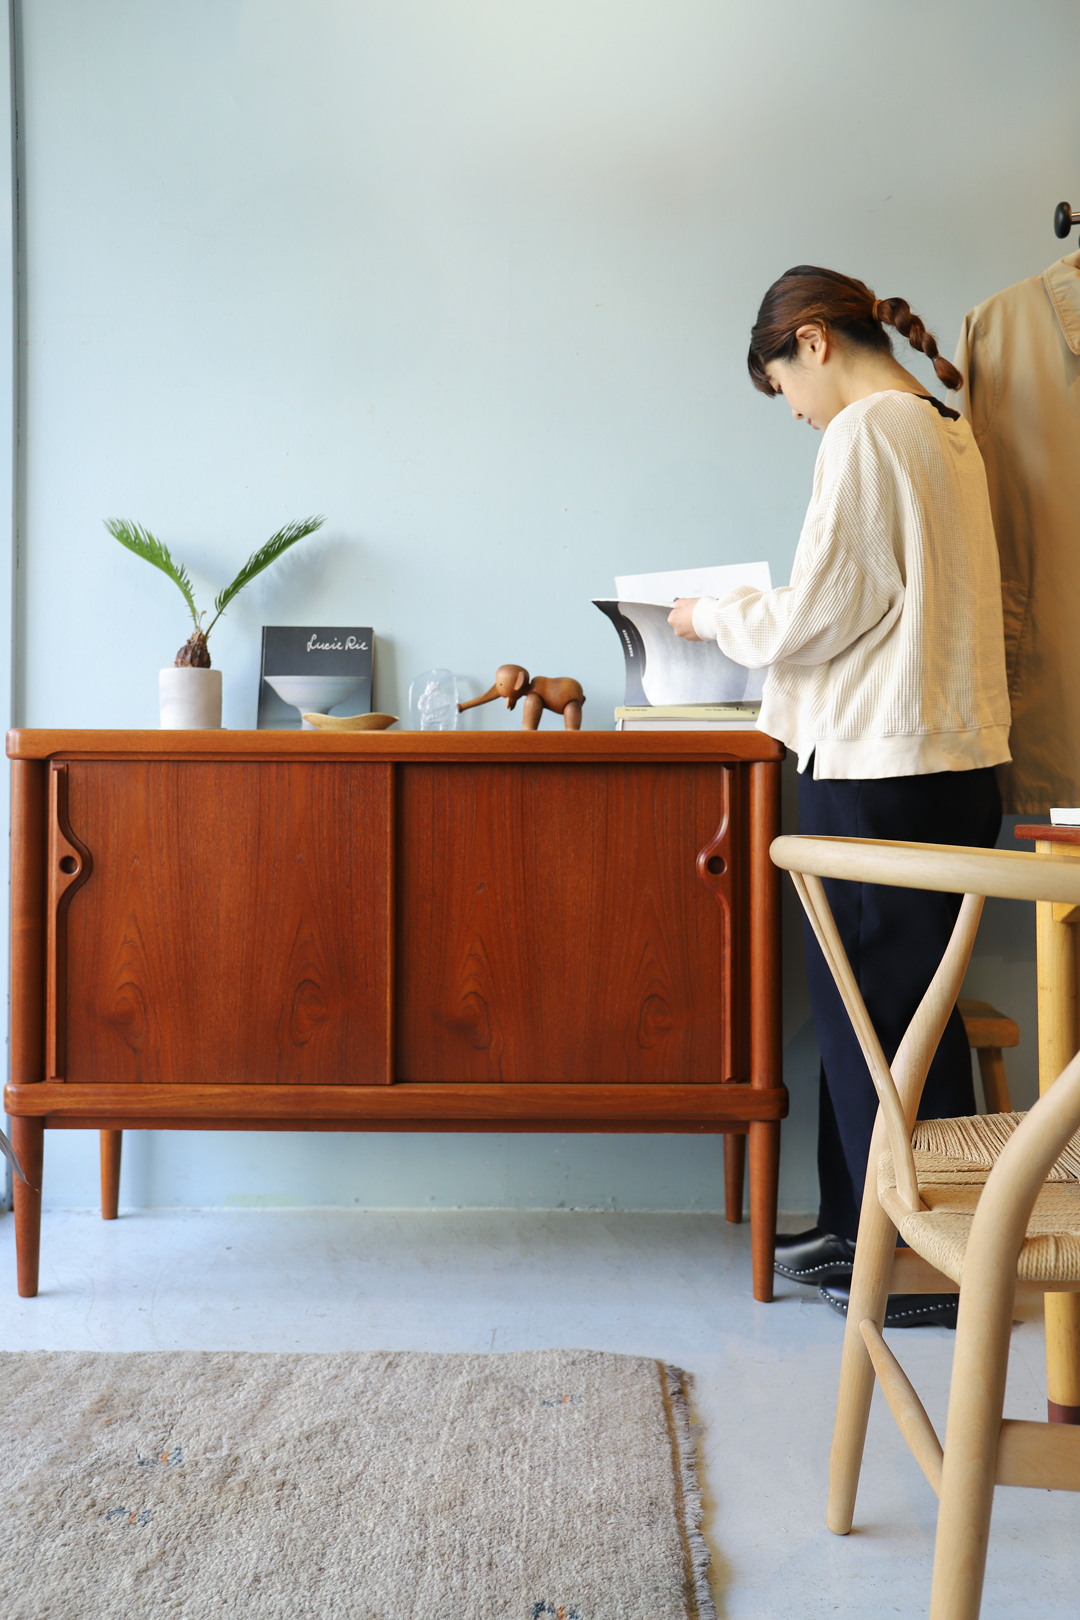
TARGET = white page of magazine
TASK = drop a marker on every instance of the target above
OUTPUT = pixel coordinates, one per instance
(678, 671)
(674, 582)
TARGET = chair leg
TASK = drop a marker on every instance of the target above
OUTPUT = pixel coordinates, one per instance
(976, 1398)
(994, 1084)
(869, 1295)
(734, 1175)
(111, 1144)
(764, 1182)
(1062, 1357)
(28, 1140)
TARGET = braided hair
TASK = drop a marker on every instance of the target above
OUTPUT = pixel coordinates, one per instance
(837, 303)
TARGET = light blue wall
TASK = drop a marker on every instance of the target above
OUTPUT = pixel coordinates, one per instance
(475, 281)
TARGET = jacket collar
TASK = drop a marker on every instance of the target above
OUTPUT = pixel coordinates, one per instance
(1062, 282)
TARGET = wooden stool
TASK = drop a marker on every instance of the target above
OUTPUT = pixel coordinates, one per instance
(988, 1031)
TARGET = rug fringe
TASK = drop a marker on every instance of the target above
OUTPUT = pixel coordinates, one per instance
(686, 1436)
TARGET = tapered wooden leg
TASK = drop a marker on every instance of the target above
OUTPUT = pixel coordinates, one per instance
(28, 1140)
(995, 1085)
(734, 1174)
(976, 1397)
(1062, 1357)
(764, 1181)
(766, 1057)
(1059, 1038)
(111, 1144)
(875, 1248)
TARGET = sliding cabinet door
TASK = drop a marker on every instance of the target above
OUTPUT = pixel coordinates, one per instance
(232, 924)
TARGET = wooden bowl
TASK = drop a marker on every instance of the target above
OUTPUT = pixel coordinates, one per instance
(351, 722)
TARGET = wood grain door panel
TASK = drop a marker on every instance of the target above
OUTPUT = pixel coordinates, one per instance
(551, 926)
(236, 927)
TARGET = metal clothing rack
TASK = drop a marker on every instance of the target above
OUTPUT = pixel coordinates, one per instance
(1064, 219)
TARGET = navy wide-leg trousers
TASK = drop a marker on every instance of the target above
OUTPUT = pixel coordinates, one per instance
(894, 939)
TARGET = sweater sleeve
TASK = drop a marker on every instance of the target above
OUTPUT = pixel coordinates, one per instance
(845, 578)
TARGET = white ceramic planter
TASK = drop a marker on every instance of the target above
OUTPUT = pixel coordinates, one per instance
(190, 699)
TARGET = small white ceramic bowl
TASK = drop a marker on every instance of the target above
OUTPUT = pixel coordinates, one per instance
(315, 694)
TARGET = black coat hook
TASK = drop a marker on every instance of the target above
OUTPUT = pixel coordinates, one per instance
(1064, 219)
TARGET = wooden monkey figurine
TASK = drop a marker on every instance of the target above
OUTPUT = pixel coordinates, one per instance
(558, 693)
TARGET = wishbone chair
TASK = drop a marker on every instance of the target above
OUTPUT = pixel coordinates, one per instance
(986, 1205)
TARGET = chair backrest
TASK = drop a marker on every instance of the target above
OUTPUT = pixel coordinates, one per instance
(949, 868)
(1007, 874)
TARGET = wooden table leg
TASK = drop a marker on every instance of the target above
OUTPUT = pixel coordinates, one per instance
(1063, 1357)
(734, 1174)
(764, 1179)
(1059, 1039)
(29, 805)
(766, 1058)
(111, 1144)
(994, 1083)
(28, 1140)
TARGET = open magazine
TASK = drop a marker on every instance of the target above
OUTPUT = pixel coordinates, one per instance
(661, 668)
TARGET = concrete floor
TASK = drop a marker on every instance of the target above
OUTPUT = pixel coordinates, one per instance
(674, 1286)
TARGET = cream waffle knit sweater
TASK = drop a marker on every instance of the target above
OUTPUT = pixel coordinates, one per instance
(886, 652)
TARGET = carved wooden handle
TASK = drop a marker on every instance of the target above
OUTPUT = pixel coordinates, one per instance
(69, 866)
(714, 870)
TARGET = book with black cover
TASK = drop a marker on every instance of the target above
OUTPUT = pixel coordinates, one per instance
(290, 649)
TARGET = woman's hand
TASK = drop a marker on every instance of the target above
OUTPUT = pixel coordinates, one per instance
(681, 617)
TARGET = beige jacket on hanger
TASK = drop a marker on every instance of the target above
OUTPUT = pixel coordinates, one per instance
(1020, 355)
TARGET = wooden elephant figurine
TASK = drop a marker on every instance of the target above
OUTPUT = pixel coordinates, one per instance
(558, 693)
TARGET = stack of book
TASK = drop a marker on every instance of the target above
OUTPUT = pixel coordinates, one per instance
(687, 716)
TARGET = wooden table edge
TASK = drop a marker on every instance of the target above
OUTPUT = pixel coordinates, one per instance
(1045, 833)
(405, 1101)
(510, 747)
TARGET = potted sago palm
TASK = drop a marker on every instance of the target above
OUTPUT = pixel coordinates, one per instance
(190, 691)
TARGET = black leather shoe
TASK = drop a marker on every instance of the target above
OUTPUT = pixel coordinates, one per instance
(808, 1256)
(903, 1310)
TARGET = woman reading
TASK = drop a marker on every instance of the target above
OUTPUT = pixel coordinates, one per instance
(886, 677)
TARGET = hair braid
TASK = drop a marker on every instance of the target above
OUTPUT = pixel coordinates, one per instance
(841, 305)
(897, 312)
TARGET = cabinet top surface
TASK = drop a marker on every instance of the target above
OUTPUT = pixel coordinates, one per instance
(1045, 833)
(510, 747)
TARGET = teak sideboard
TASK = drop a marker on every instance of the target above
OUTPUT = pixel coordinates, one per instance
(480, 931)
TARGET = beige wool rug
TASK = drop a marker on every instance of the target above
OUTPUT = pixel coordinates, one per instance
(547, 1485)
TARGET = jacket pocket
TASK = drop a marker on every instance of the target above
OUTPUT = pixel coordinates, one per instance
(1014, 611)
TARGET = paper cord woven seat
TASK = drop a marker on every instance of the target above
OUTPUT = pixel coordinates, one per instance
(953, 1158)
(985, 1203)
(957, 1149)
